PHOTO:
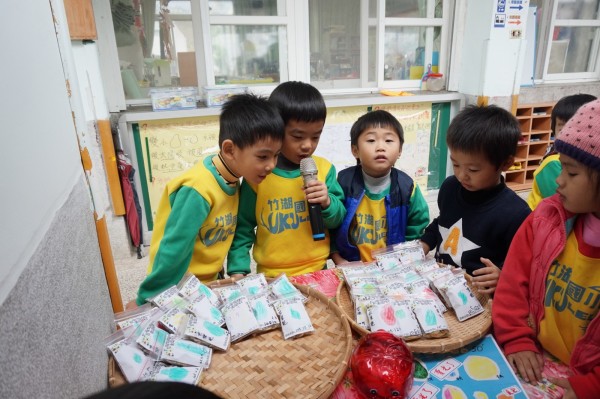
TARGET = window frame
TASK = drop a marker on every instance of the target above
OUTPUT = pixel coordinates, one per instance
(548, 24)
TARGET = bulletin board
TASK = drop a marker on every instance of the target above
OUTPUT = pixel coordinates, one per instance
(165, 148)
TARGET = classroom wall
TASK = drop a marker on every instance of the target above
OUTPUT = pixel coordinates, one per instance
(54, 304)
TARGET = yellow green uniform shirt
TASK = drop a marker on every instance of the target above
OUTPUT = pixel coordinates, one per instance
(369, 228)
(193, 229)
(283, 241)
(572, 295)
(544, 180)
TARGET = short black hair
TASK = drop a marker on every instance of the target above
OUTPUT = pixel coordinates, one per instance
(299, 101)
(155, 390)
(566, 107)
(378, 118)
(248, 118)
(488, 130)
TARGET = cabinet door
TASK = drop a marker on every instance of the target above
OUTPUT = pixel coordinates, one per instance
(80, 17)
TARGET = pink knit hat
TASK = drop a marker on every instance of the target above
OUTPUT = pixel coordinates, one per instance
(580, 138)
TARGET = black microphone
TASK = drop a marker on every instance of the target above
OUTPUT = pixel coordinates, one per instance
(308, 170)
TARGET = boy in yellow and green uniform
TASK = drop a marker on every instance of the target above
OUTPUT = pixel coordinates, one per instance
(197, 214)
(278, 209)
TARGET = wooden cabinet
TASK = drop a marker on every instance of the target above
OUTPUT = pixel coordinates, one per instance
(80, 17)
(534, 120)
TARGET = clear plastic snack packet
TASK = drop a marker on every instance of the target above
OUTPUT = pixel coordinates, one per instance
(382, 255)
(163, 372)
(410, 251)
(204, 332)
(239, 318)
(364, 286)
(404, 273)
(430, 318)
(295, 321)
(151, 338)
(421, 289)
(281, 288)
(129, 357)
(133, 317)
(263, 311)
(394, 289)
(166, 299)
(388, 263)
(465, 304)
(228, 293)
(203, 308)
(425, 266)
(361, 302)
(359, 269)
(253, 284)
(173, 319)
(182, 352)
(190, 287)
(395, 317)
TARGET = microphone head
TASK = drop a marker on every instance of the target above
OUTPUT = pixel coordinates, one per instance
(308, 166)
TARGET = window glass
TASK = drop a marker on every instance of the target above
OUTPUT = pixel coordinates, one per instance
(152, 39)
(571, 49)
(243, 7)
(246, 54)
(405, 52)
(411, 8)
(334, 39)
(577, 9)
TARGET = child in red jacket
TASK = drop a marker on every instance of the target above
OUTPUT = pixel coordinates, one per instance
(548, 294)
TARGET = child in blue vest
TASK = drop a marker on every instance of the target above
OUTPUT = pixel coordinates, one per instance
(383, 204)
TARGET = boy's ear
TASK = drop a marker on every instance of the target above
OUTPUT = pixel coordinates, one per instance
(507, 164)
(354, 149)
(228, 149)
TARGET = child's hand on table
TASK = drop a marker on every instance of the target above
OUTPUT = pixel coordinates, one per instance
(486, 278)
(564, 383)
(528, 364)
(317, 193)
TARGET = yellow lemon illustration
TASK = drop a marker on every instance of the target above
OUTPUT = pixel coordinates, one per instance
(480, 395)
(453, 392)
(481, 368)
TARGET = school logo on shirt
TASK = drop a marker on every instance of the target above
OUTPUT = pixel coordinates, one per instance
(454, 243)
(367, 230)
(283, 214)
(222, 228)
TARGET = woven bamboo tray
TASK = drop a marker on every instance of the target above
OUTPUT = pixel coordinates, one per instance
(267, 366)
(461, 333)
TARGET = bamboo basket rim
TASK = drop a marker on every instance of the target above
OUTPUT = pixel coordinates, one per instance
(461, 333)
(330, 345)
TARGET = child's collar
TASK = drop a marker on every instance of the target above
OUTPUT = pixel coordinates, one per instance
(224, 170)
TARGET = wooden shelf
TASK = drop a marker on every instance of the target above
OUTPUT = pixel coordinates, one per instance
(534, 121)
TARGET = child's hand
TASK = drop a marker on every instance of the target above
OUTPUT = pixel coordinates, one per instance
(486, 278)
(566, 385)
(528, 364)
(425, 247)
(337, 258)
(316, 193)
(131, 305)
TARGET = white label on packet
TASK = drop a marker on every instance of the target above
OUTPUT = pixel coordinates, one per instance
(253, 284)
(395, 317)
(207, 333)
(134, 321)
(165, 298)
(294, 318)
(152, 339)
(193, 287)
(204, 309)
(131, 360)
(186, 353)
(264, 312)
(462, 299)
(239, 318)
(162, 372)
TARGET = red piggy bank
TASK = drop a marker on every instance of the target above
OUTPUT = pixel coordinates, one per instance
(382, 366)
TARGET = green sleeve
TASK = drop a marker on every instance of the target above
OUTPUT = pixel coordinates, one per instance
(172, 259)
(418, 215)
(546, 178)
(238, 258)
(335, 212)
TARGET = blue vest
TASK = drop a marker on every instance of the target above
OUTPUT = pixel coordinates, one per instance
(397, 203)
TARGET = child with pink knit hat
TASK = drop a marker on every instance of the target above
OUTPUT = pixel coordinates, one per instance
(548, 295)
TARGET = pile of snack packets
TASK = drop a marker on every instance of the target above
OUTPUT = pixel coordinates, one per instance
(406, 294)
(173, 336)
